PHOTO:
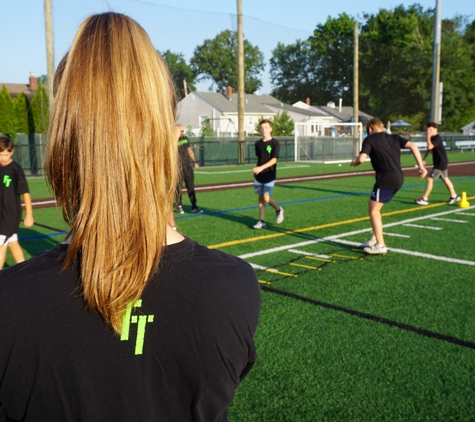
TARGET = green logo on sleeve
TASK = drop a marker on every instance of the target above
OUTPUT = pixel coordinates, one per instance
(269, 149)
(7, 180)
(141, 321)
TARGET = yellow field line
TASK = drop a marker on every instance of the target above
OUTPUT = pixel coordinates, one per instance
(322, 226)
(304, 266)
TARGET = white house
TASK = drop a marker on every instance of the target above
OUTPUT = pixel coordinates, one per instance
(469, 129)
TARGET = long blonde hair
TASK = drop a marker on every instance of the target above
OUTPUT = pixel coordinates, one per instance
(111, 159)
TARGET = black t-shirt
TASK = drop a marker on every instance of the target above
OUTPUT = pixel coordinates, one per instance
(183, 145)
(385, 153)
(12, 185)
(439, 156)
(184, 348)
(265, 151)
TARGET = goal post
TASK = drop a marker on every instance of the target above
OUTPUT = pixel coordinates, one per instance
(325, 142)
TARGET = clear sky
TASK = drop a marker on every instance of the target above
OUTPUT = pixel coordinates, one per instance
(179, 25)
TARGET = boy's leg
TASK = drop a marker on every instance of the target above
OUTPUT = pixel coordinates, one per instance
(429, 186)
(374, 209)
(271, 202)
(262, 207)
(450, 186)
(16, 251)
(3, 255)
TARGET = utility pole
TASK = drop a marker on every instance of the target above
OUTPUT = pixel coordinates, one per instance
(355, 84)
(49, 49)
(240, 72)
(435, 104)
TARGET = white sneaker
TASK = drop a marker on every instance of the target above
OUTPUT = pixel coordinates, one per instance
(376, 249)
(453, 199)
(279, 216)
(369, 242)
(259, 225)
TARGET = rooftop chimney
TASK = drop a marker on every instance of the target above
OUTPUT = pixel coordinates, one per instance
(32, 85)
(229, 92)
(307, 101)
(339, 105)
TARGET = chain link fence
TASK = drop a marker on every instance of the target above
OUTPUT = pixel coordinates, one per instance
(210, 151)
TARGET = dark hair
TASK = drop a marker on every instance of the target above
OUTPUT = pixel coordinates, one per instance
(433, 124)
(265, 121)
(6, 144)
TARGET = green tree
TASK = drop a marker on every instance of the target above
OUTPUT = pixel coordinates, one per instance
(292, 72)
(40, 109)
(207, 128)
(215, 60)
(180, 71)
(457, 66)
(43, 79)
(8, 121)
(396, 61)
(21, 107)
(282, 124)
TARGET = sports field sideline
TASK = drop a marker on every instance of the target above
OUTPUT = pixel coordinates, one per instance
(342, 336)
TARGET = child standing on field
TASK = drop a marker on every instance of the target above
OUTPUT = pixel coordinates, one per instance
(267, 151)
(12, 185)
(439, 157)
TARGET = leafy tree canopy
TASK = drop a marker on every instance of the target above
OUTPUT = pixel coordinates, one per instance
(180, 72)
(282, 124)
(215, 60)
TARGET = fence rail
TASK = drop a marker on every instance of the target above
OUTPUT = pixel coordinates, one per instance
(210, 151)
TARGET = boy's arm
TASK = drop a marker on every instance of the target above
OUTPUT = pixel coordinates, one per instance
(430, 145)
(359, 160)
(28, 220)
(417, 155)
(270, 163)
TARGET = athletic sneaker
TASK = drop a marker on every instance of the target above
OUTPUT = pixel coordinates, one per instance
(369, 242)
(421, 201)
(180, 210)
(260, 225)
(279, 215)
(196, 209)
(453, 199)
(376, 249)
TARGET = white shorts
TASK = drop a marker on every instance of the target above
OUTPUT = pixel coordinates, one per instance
(4, 241)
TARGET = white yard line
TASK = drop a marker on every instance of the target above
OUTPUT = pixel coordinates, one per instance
(418, 226)
(316, 255)
(260, 267)
(449, 220)
(338, 239)
(467, 213)
(396, 235)
(245, 171)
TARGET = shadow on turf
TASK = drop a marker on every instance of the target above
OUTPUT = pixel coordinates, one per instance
(33, 242)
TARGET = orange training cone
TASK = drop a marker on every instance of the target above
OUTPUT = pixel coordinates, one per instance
(463, 203)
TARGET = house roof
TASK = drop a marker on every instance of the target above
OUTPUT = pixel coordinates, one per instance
(254, 104)
(346, 113)
(15, 89)
(469, 126)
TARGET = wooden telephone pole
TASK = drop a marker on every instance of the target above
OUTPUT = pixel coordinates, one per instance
(49, 49)
(240, 72)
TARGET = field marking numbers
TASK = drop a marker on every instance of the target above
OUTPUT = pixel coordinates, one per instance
(449, 220)
(418, 226)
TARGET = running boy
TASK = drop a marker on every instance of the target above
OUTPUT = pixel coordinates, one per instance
(385, 153)
(267, 152)
(12, 185)
(440, 160)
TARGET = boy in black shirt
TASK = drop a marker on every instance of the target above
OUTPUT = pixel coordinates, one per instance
(439, 157)
(385, 152)
(267, 151)
(12, 185)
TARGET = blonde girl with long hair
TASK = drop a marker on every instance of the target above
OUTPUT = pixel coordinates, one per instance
(127, 319)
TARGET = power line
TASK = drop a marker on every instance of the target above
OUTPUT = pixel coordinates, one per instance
(219, 13)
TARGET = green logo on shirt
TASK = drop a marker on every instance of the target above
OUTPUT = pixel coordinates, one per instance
(7, 180)
(269, 149)
(141, 321)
